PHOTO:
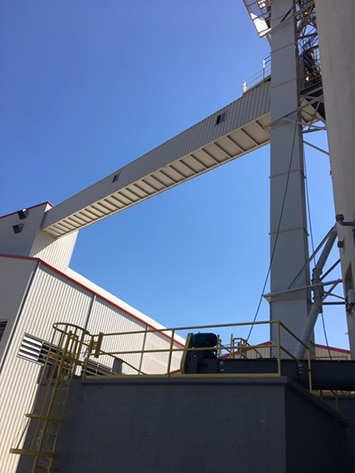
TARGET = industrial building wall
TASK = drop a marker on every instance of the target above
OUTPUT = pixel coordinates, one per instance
(15, 277)
(41, 295)
(174, 425)
(49, 298)
(21, 236)
(18, 231)
(56, 252)
(106, 318)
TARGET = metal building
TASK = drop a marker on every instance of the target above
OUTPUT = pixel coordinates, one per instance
(38, 289)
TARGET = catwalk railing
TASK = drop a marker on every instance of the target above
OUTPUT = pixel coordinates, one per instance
(175, 352)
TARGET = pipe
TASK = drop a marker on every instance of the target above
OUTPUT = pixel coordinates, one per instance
(316, 307)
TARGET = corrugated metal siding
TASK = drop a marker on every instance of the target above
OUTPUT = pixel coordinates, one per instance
(237, 129)
(238, 113)
(20, 243)
(107, 318)
(123, 307)
(157, 363)
(56, 252)
(52, 297)
(15, 396)
(158, 170)
(323, 352)
(15, 275)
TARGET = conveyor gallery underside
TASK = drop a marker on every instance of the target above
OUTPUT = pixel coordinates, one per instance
(235, 130)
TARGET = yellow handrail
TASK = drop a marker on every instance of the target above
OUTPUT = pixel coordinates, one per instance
(73, 350)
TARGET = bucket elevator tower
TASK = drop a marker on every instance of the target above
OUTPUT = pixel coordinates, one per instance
(288, 227)
(299, 31)
(290, 27)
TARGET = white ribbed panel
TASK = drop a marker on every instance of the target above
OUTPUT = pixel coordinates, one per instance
(245, 128)
(158, 362)
(56, 252)
(15, 275)
(237, 129)
(42, 297)
(51, 298)
(106, 318)
(109, 319)
(20, 243)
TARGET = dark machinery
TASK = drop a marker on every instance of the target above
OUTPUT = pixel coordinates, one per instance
(201, 357)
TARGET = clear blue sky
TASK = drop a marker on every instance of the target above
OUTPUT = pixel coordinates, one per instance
(89, 85)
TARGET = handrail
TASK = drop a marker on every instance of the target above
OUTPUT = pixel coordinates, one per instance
(162, 350)
(162, 354)
(73, 349)
(261, 75)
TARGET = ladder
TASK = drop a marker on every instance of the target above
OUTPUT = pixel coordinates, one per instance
(45, 420)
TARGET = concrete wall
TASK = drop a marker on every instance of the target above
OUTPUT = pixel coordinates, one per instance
(315, 441)
(345, 405)
(195, 425)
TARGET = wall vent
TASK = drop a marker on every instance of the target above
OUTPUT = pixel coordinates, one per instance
(2, 328)
(35, 349)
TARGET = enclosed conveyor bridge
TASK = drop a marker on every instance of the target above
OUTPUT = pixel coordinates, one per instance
(235, 130)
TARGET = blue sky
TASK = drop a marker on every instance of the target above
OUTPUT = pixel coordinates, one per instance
(86, 87)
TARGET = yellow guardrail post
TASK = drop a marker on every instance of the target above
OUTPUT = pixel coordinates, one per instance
(97, 345)
(310, 387)
(166, 355)
(278, 331)
(171, 351)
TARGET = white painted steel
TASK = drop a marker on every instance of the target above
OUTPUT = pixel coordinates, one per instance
(15, 277)
(159, 362)
(31, 241)
(336, 32)
(21, 243)
(18, 377)
(202, 147)
(54, 251)
(107, 319)
(288, 227)
(197, 150)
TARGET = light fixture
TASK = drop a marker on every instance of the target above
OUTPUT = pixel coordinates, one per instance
(22, 213)
(18, 228)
